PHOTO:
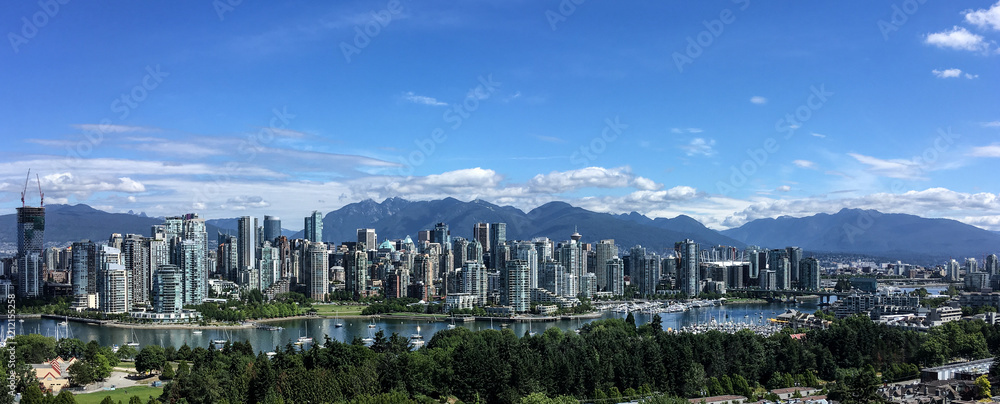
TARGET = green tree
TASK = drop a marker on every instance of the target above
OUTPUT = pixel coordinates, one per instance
(81, 373)
(983, 385)
(135, 400)
(102, 367)
(126, 352)
(630, 318)
(64, 397)
(150, 358)
(183, 369)
(68, 348)
(168, 372)
(107, 400)
(33, 395)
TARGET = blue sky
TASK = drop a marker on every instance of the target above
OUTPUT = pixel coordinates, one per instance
(726, 111)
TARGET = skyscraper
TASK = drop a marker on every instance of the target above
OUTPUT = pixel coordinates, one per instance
(809, 274)
(688, 276)
(516, 293)
(194, 260)
(314, 227)
(29, 260)
(474, 280)
(84, 264)
(992, 266)
(441, 235)
(604, 251)
(498, 236)
(525, 251)
(319, 271)
(615, 278)
(246, 245)
(642, 273)
(368, 238)
(135, 259)
(481, 233)
(952, 271)
(356, 272)
(777, 261)
(272, 228)
(167, 293)
(794, 257)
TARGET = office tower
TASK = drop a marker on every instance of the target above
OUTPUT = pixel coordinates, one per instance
(758, 260)
(571, 257)
(113, 289)
(167, 289)
(135, 259)
(228, 257)
(499, 256)
(734, 278)
(460, 247)
(194, 260)
(84, 264)
(246, 249)
(356, 272)
(319, 271)
(272, 228)
(481, 233)
(688, 280)
(29, 261)
(782, 271)
(526, 251)
(314, 227)
(642, 275)
(794, 258)
(516, 292)
(441, 235)
(809, 274)
(268, 266)
(971, 266)
(615, 278)
(158, 254)
(952, 272)
(173, 227)
(445, 268)
(588, 285)
(475, 251)
(768, 280)
(474, 281)
(498, 236)
(603, 252)
(992, 266)
(368, 238)
(553, 278)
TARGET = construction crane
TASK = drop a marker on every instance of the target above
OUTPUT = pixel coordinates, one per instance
(26, 178)
(40, 194)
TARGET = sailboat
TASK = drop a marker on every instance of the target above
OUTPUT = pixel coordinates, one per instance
(305, 339)
(372, 325)
(452, 325)
(416, 339)
(336, 321)
(135, 342)
(221, 342)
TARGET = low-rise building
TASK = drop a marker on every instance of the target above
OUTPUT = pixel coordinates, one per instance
(54, 375)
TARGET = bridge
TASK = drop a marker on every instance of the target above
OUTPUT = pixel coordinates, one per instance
(823, 295)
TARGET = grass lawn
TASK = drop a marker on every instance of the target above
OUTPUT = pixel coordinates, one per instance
(418, 315)
(331, 309)
(119, 394)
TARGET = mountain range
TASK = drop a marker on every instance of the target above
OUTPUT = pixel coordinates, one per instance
(850, 231)
(871, 232)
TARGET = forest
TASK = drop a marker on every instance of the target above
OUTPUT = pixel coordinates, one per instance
(608, 358)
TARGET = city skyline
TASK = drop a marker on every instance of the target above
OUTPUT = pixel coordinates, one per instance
(707, 109)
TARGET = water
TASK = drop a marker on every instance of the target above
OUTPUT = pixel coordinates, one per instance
(317, 328)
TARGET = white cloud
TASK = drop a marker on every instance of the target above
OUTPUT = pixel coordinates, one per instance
(423, 99)
(804, 164)
(589, 177)
(244, 202)
(992, 150)
(699, 146)
(994, 124)
(943, 74)
(783, 188)
(892, 168)
(821, 136)
(110, 128)
(971, 76)
(988, 18)
(758, 100)
(958, 38)
(686, 130)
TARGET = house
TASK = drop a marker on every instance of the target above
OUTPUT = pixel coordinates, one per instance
(54, 375)
(789, 392)
(719, 400)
